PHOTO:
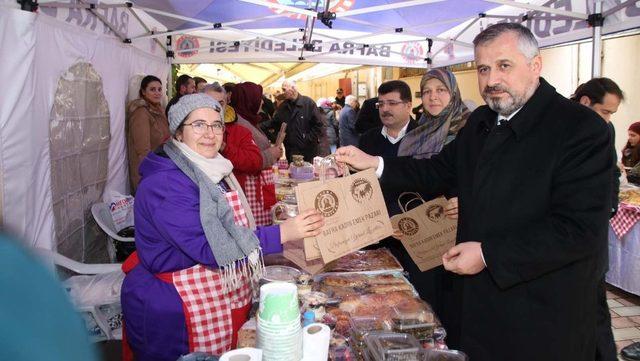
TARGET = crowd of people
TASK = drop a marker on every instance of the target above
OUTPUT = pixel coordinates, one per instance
(531, 177)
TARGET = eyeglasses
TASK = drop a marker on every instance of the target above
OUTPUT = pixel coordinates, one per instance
(201, 127)
(391, 103)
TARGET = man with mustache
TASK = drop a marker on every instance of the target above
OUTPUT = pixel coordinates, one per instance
(394, 105)
(533, 174)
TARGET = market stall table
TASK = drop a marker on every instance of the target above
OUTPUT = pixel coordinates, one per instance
(624, 243)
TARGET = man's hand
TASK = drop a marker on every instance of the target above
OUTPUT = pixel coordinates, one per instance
(356, 158)
(276, 152)
(464, 259)
(451, 210)
(305, 224)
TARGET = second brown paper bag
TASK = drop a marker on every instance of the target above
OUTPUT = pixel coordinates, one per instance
(354, 212)
(426, 232)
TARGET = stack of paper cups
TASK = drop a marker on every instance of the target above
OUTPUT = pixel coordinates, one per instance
(279, 331)
(315, 342)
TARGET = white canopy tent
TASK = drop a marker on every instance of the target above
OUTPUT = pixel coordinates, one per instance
(375, 32)
(122, 40)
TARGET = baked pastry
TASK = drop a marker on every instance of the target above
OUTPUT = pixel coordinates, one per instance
(365, 260)
(386, 279)
(391, 287)
(354, 281)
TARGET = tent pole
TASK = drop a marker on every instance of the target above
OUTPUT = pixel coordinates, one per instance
(170, 59)
(595, 20)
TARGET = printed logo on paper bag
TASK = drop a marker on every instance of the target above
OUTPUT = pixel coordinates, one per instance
(361, 190)
(408, 226)
(326, 203)
(187, 42)
(435, 213)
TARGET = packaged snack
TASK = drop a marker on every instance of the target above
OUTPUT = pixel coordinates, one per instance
(386, 346)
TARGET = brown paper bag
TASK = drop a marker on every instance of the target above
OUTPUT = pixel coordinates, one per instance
(427, 233)
(294, 252)
(354, 211)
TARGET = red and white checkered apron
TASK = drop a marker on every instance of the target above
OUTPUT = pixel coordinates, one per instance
(208, 308)
(254, 191)
(624, 219)
(239, 215)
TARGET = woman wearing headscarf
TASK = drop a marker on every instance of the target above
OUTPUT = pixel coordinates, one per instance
(188, 288)
(444, 115)
(258, 187)
(147, 126)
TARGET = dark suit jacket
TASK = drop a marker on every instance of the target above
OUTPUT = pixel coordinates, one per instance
(536, 193)
(374, 143)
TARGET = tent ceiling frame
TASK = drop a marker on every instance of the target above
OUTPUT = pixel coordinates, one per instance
(296, 69)
(394, 6)
(413, 33)
(254, 65)
(234, 72)
(287, 8)
(57, 4)
(571, 14)
(442, 22)
(146, 28)
(456, 37)
(106, 22)
(618, 7)
(176, 16)
(155, 35)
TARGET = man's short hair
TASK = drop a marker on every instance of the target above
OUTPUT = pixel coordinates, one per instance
(527, 43)
(228, 87)
(396, 86)
(182, 80)
(596, 88)
(215, 87)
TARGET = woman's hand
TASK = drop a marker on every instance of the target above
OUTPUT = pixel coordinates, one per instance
(451, 210)
(305, 224)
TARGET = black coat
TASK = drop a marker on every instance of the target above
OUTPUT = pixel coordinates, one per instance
(305, 126)
(536, 193)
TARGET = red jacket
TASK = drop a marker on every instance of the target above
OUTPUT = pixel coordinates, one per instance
(242, 151)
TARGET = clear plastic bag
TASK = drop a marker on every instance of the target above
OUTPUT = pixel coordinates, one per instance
(121, 207)
(97, 298)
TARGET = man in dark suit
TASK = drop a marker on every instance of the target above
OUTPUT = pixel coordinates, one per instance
(604, 96)
(394, 105)
(533, 174)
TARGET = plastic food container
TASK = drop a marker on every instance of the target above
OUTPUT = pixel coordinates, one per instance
(420, 322)
(443, 355)
(360, 326)
(363, 325)
(281, 274)
(386, 346)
